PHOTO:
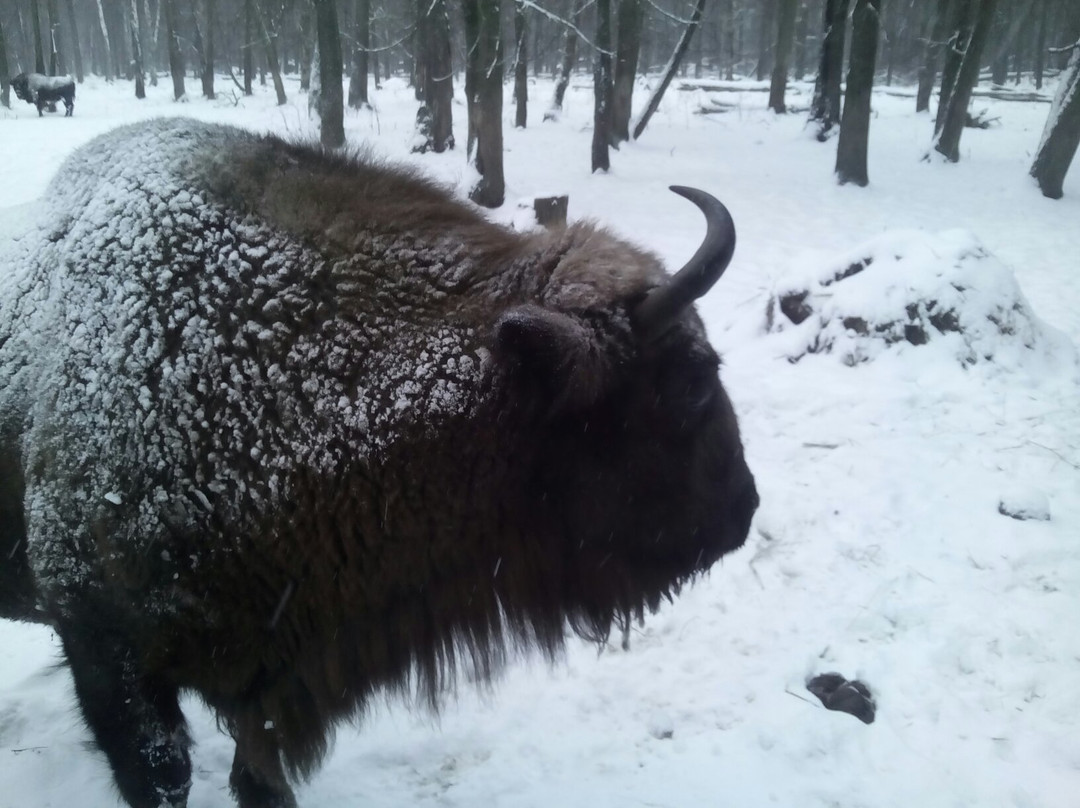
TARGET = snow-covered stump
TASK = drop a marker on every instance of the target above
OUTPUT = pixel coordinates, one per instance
(908, 290)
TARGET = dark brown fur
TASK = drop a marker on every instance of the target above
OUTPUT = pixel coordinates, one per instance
(399, 444)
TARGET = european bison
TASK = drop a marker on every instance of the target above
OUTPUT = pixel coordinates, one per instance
(45, 91)
(284, 427)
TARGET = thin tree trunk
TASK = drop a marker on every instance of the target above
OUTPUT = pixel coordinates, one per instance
(208, 49)
(785, 35)
(176, 56)
(568, 62)
(1061, 135)
(57, 64)
(5, 85)
(1040, 43)
(270, 46)
(247, 48)
(948, 142)
(932, 54)
(305, 45)
(435, 71)
(825, 106)
(767, 9)
(76, 48)
(669, 72)
(484, 44)
(602, 90)
(105, 38)
(851, 148)
(959, 38)
(631, 17)
(521, 66)
(136, 49)
(358, 80)
(39, 53)
(150, 55)
(331, 102)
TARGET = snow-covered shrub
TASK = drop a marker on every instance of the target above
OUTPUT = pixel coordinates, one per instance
(906, 290)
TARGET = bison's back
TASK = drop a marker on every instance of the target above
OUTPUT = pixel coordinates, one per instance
(180, 366)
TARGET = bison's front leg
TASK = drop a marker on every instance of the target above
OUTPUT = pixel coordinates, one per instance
(258, 779)
(135, 718)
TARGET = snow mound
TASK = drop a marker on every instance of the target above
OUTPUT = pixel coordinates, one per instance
(906, 290)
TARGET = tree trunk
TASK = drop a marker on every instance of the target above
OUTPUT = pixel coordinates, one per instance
(569, 60)
(39, 53)
(959, 37)
(766, 27)
(948, 141)
(669, 72)
(932, 55)
(76, 48)
(57, 65)
(305, 46)
(247, 48)
(5, 85)
(358, 92)
(484, 46)
(136, 49)
(331, 102)
(855, 124)
(631, 17)
(825, 106)
(521, 66)
(208, 49)
(436, 73)
(785, 35)
(270, 44)
(105, 38)
(1040, 43)
(1061, 135)
(602, 90)
(150, 54)
(176, 56)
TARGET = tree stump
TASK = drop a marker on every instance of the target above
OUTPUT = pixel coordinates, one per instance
(551, 210)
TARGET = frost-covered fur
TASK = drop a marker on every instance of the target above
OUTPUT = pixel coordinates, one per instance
(43, 91)
(283, 427)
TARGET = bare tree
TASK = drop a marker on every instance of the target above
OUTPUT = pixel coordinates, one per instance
(1061, 135)
(57, 64)
(631, 17)
(331, 102)
(136, 49)
(246, 49)
(670, 70)
(208, 8)
(39, 54)
(935, 43)
(483, 88)
(358, 78)
(269, 38)
(825, 106)
(602, 88)
(568, 61)
(948, 140)
(176, 54)
(851, 147)
(105, 36)
(521, 65)
(959, 27)
(76, 48)
(5, 85)
(785, 37)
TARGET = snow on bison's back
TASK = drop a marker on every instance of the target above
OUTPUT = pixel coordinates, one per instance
(284, 427)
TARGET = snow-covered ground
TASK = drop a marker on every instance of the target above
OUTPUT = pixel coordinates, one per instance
(878, 552)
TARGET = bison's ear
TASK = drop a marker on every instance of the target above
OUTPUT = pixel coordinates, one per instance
(553, 350)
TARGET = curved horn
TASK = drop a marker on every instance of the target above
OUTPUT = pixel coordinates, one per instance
(657, 312)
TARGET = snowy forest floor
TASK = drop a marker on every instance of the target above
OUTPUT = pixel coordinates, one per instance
(878, 551)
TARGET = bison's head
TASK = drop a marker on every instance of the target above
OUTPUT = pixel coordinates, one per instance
(21, 85)
(639, 468)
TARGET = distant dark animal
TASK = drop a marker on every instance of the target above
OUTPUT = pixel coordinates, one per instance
(45, 91)
(284, 428)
